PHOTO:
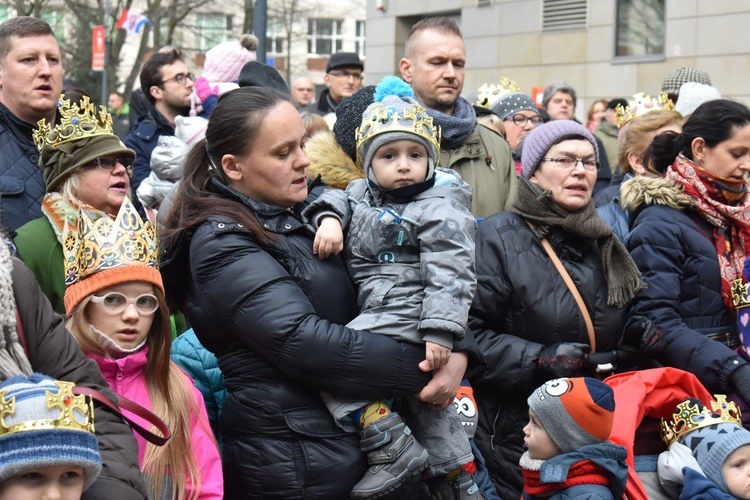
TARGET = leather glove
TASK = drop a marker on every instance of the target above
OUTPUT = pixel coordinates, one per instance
(564, 359)
(642, 335)
(204, 90)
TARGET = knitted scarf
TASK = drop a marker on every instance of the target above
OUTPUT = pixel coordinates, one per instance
(455, 128)
(536, 205)
(584, 472)
(708, 194)
(59, 209)
(13, 360)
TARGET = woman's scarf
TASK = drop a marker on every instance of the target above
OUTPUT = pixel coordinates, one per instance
(13, 360)
(583, 472)
(455, 128)
(536, 205)
(59, 210)
(731, 222)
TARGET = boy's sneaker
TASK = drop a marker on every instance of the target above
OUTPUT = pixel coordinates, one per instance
(393, 454)
(461, 487)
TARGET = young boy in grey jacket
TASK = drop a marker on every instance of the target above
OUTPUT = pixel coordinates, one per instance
(410, 250)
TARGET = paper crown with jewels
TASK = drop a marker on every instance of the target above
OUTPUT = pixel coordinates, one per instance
(108, 252)
(740, 298)
(487, 95)
(689, 416)
(76, 412)
(641, 104)
(76, 121)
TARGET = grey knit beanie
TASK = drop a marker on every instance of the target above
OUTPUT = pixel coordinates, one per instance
(512, 103)
(543, 137)
(712, 445)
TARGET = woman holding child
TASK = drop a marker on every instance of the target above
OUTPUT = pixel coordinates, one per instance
(240, 260)
(525, 316)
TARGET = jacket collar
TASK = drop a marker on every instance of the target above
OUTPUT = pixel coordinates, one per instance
(19, 128)
(641, 191)
(131, 364)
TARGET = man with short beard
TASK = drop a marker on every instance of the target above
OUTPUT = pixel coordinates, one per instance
(167, 85)
(433, 64)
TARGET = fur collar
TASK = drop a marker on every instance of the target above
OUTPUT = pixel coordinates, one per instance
(641, 191)
(328, 159)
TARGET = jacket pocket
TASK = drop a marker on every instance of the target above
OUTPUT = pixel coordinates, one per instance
(314, 422)
(10, 185)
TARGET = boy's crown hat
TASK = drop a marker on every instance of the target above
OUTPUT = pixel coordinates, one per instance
(108, 252)
(639, 105)
(712, 435)
(505, 98)
(574, 411)
(395, 115)
(43, 424)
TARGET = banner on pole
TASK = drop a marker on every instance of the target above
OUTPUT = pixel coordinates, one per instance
(98, 34)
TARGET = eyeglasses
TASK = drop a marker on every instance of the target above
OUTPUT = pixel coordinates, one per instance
(180, 78)
(346, 74)
(521, 120)
(110, 162)
(569, 163)
(116, 303)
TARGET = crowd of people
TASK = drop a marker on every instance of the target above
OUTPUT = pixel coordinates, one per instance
(227, 288)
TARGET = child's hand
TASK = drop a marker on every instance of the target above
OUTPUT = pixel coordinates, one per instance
(437, 355)
(329, 238)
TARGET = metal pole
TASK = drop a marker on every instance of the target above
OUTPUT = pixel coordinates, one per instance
(260, 22)
(105, 83)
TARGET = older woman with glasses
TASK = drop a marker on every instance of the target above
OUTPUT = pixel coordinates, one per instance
(525, 316)
(86, 168)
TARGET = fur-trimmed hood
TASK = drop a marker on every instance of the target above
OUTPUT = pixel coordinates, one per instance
(641, 191)
(328, 159)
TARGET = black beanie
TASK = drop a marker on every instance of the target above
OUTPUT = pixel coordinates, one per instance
(349, 118)
(256, 74)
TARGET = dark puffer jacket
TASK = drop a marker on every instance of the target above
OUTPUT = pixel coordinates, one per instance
(521, 306)
(272, 315)
(674, 249)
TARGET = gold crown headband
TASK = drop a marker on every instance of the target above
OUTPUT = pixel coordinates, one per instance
(487, 95)
(641, 104)
(739, 294)
(383, 119)
(106, 244)
(689, 417)
(77, 121)
(76, 412)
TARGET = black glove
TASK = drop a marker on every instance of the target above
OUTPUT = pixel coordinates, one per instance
(739, 380)
(564, 359)
(642, 334)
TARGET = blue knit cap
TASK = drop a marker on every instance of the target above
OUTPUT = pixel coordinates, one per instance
(24, 400)
(543, 137)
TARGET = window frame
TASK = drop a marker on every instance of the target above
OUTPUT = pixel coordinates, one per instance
(204, 39)
(336, 38)
(627, 59)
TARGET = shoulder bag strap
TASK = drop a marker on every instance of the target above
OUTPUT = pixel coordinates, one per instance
(572, 287)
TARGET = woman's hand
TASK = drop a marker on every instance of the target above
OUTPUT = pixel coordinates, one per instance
(329, 238)
(440, 391)
(436, 355)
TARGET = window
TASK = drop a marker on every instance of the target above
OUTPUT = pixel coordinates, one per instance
(640, 28)
(212, 29)
(564, 14)
(324, 36)
(359, 40)
(275, 36)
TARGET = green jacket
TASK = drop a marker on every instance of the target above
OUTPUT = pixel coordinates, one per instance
(607, 133)
(484, 162)
(42, 253)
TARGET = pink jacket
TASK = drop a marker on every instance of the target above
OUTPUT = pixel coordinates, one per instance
(125, 377)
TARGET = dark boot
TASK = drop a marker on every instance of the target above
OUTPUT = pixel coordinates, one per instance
(393, 454)
(461, 487)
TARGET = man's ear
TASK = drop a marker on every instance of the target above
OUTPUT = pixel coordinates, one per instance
(156, 92)
(405, 66)
(230, 168)
(327, 80)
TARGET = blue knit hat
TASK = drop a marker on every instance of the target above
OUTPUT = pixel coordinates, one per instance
(543, 137)
(34, 433)
(712, 445)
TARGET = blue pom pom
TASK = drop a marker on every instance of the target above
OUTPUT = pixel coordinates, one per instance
(392, 85)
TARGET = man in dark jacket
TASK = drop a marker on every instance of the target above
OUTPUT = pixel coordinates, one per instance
(167, 84)
(31, 79)
(343, 78)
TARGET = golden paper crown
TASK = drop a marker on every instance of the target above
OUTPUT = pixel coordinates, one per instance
(641, 104)
(64, 400)
(487, 95)
(383, 119)
(107, 243)
(77, 121)
(739, 294)
(689, 417)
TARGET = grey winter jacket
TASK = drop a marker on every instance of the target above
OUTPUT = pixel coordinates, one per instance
(413, 262)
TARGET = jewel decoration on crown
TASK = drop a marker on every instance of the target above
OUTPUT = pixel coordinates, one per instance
(641, 104)
(739, 294)
(76, 121)
(488, 94)
(108, 243)
(689, 417)
(384, 119)
(76, 412)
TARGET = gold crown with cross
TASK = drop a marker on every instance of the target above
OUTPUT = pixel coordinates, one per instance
(76, 121)
(689, 416)
(641, 104)
(739, 294)
(488, 94)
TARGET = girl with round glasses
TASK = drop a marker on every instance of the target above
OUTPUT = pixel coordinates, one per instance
(118, 316)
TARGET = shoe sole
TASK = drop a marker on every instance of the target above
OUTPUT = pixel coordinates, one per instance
(408, 474)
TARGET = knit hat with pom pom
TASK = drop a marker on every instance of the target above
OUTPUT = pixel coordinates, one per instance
(225, 61)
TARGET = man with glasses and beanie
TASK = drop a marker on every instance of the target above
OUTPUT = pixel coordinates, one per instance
(167, 84)
(343, 78)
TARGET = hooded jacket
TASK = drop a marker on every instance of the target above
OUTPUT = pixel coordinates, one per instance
(674, 250)
(330, 161)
